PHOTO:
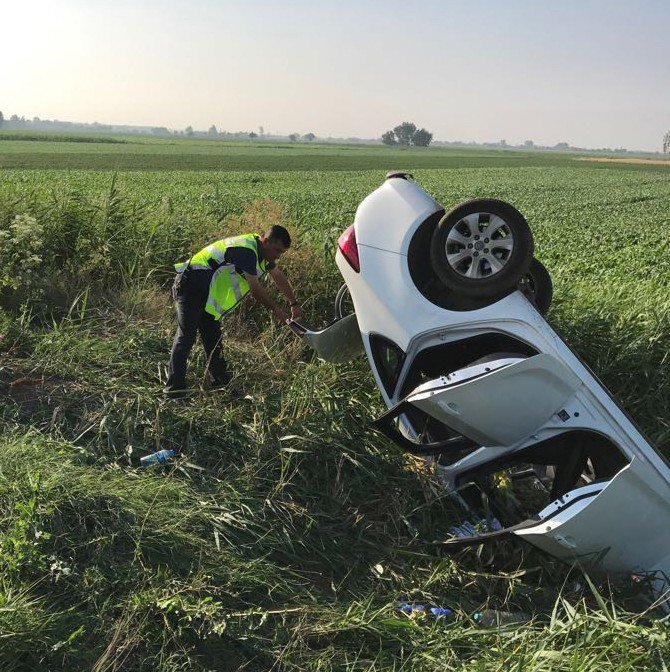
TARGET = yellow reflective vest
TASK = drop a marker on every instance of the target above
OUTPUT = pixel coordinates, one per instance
(227, 287)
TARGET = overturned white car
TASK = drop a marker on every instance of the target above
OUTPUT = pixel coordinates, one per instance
(450, 310)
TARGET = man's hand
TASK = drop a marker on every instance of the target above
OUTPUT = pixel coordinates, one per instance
(284, 286)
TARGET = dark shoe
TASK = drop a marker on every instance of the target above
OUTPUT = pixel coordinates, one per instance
(221, 382)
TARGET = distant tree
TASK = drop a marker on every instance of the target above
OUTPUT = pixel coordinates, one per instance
(253, 135)
(212, 130)
(309, 137)
(261, 131)
(294, 137)
(388, 138)
(14, 117)
(666, 140)
(160, 130)
(562, 146)
(2, 118)
(406, 135)
(422, 138)
(529, 144)
(189, 130)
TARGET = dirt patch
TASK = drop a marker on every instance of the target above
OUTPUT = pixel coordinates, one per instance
(36, 396)
(639, 162)
(262, 214)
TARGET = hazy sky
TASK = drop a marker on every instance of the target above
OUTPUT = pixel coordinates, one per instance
(590, 72)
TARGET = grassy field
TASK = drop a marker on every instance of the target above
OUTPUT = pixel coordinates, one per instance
(132, 152)
(287, 532)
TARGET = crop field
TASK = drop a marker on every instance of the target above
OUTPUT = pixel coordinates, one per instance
(287, 532)
(115, 152)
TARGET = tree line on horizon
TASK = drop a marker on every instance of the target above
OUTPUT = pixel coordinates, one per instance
(16, 123)
(405, 134)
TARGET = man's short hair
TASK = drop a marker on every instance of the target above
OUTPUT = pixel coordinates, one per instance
(279, 233)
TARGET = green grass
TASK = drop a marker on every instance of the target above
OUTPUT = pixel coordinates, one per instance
(140, 153)
(39, 137)
(287, 531)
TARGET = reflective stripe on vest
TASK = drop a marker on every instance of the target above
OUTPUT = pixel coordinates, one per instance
(217, 253)
(180, 268)
(213, 307)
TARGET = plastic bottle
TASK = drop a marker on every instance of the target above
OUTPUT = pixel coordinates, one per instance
(494, 618)
(413, 609)
(159, 457)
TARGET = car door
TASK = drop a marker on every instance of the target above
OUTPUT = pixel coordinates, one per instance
(618, 525)
(499, 402)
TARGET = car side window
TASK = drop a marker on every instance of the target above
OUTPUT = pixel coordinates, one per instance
(388, 359)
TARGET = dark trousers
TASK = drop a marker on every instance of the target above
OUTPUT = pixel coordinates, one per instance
(190, 294)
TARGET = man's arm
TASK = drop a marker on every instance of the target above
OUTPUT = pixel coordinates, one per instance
(261, 295)
(284, 286)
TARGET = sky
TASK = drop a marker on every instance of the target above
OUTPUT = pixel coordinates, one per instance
(593, 73)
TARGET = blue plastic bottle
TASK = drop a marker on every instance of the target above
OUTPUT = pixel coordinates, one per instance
(159, 457)
(414, 609)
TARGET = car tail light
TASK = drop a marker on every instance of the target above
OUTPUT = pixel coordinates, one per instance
(348, 247)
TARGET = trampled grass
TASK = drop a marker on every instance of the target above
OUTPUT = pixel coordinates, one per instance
(287, 532)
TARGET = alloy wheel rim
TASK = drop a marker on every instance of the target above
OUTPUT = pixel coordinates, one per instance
(479, 245)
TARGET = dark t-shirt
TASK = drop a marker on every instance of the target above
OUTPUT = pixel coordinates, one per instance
(245, 260)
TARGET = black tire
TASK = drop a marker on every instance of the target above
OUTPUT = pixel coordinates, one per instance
(343, 303)
(468, 268)
(537, 286)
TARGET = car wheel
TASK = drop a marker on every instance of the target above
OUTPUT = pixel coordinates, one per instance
(343, 304)
(481, 248)
(537, 286)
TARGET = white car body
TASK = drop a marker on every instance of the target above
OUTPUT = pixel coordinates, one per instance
(511, 403)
